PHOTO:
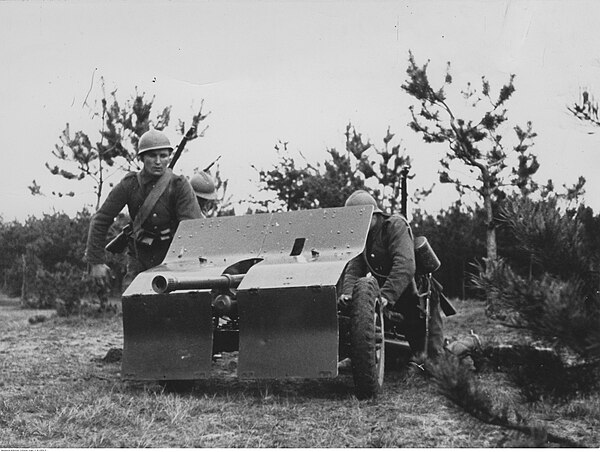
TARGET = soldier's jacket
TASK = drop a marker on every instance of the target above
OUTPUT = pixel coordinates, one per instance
(176, 203)
(390, 253)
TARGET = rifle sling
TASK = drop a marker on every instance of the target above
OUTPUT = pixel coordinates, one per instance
(150, 201)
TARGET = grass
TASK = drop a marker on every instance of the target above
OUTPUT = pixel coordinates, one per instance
(57, 392)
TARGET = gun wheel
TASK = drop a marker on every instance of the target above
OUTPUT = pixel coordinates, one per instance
(367, 350)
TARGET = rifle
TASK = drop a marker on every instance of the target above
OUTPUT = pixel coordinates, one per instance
(404, 195)
(445, 304)
(188, 136)
(119, 243)
(430, 287)
(211, 165)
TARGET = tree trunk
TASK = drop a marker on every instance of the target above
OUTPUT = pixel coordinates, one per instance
(492, 250)
(24, 271)
(100, 182)
(462, 280)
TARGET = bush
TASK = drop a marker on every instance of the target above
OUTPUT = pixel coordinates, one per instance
(557, 296)
(42, 261)
(548, 377)
(69, 285)
(562, 244)
(540, 373)
(553, 309)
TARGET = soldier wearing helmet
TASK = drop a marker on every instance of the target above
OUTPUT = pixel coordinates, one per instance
(389, 256)
(175, 203)
(204, 188)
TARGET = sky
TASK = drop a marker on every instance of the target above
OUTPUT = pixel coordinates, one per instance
(287, 70)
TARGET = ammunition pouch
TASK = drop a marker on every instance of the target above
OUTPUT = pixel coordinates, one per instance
(147, 238)
(144, 238)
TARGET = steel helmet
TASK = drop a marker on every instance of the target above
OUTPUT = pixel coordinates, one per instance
(153, 140)
(203, 186)
(362, 198)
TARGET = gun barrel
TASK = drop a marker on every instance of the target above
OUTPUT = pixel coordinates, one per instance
(165, 284)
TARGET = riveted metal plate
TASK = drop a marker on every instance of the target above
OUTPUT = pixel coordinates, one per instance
(309, 247)
(291, 333)
(206, 247)
(167, 337)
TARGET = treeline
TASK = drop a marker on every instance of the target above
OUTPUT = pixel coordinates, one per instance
(42, 258)
(42, 261)
(564, 243)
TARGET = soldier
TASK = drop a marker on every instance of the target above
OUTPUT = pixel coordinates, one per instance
(160, 210)
(205, 190)
(389, 256)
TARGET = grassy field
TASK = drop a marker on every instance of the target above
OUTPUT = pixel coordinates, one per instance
(57, 391)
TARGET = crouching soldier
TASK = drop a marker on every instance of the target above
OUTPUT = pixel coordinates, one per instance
(206, 192)
(389, 256)
(157, 201)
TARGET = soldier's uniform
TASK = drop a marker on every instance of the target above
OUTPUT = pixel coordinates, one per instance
(389, 256)
(176, 203)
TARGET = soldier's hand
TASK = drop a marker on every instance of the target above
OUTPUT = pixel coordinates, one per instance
(388, 313)
(384, 301)
(344, 301)
(101, 274)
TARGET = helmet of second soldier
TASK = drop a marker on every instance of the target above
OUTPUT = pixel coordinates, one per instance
(362, 198)
(204, 186)
(153, 140)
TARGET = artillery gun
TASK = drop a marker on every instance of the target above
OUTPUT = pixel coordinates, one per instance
(265, 285)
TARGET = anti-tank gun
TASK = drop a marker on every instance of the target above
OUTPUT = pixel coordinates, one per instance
(264, 285)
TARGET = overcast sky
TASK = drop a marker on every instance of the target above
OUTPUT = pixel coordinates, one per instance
(290, 71)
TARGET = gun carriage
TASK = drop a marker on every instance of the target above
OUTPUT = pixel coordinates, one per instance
(265, 285)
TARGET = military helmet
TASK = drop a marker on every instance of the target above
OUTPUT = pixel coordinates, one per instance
(153, 140)
(362, 198)
(203, 186)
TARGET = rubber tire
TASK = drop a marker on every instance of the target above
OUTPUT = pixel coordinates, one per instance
(367, 340)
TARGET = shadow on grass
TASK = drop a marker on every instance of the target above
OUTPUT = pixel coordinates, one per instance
(224, 381)
(338, 388)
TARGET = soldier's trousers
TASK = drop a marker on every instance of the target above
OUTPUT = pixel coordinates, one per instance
(414, 328)
(141, 258)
